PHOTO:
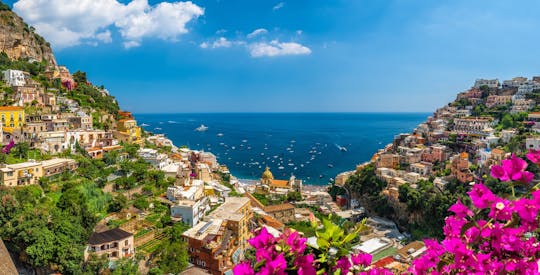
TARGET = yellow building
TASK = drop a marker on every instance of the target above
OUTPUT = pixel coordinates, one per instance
(128, 131)
(12, 118)
(268, 183)
(29, 173)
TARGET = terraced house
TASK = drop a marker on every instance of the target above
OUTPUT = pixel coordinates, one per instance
(12, 118)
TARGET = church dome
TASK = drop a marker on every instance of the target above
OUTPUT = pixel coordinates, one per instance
(267, 174)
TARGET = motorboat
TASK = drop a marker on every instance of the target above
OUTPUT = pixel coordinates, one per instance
(201, 128)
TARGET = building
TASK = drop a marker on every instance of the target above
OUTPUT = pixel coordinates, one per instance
(460, 168)
(190, 211)
(268, 183)
(491, 83)
(26, 173)
(114, 244)
(498, 100)
(14, 77)
(532, 143)
(29, 173)
(421, 168)
(12, 118)
(128, 131)
(83, 121)
(282, 212)
(411, 251)
(388, 161)
(473, 125)
(218, 243)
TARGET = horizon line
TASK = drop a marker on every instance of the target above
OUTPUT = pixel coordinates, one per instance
(334, 112)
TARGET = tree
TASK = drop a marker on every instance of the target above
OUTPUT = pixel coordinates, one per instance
(173, 257)
(79, 77)
(21, 149)
(118, 203)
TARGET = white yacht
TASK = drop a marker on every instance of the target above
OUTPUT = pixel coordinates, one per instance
(201, 128)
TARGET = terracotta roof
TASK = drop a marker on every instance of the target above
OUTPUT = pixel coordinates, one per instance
(497, 151)
(279, 183)
(270, 221)
(10, 108)
(383, 262)
(115, 234)
(278, 207)
(6, 263)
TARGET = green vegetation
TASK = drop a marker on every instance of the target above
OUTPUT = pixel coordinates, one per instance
(384, 253)
(89, 96)
(427, 201)
(172, 255)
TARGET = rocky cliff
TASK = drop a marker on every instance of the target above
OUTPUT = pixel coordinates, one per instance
(18, 40)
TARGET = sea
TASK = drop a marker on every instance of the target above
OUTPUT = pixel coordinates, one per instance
(315, 147)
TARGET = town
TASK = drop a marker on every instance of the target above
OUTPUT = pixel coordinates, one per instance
(51, 134)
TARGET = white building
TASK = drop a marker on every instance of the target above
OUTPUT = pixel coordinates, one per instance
(155, 158)
(533, 143)
(191, 212)
(491, 83)
(14, 78)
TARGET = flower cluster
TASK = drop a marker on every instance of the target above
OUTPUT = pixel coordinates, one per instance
(497, 234)
(288, 254)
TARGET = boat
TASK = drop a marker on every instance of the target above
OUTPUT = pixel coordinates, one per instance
(330, 165)
(172, 121)
(281, 168)
(220, 134)
(144, 125)
(244, 140)
(201, 128)
(341, 148)
(157, 128)
(321, 176)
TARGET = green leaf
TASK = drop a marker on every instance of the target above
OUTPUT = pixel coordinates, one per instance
(322, 243)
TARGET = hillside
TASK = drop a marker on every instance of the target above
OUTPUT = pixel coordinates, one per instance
(19, 41)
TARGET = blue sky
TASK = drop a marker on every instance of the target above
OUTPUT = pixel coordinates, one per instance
(308, 56)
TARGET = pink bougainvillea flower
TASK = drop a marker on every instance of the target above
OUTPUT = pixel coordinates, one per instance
(344, 264)
(243, 269)
(501, 209)
(512, 169)
(526, 209)
(276, 266)
(305, 265)
(498, 172)
(363, 259)
(481, 196)
(460, 210)
(534, 156)
(295, 241)
(263, 240)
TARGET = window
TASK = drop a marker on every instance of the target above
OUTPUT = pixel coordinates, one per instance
(126, 242)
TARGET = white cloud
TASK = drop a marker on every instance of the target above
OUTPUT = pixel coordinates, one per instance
(278, 6)
(222, 42)
(104, 37)
(68, 23)
(131, 44)
(276, 48)
(257, 32)
(204, 45)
